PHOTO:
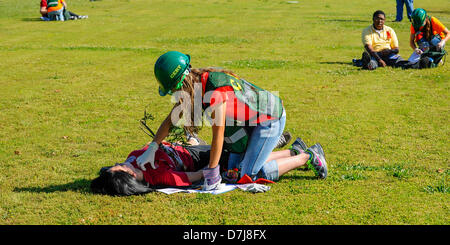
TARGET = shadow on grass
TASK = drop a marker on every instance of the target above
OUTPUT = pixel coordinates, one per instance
(336, 63)
(439, 11)
(31, 19)
(350, 20)
(296, 177)
(80, 185)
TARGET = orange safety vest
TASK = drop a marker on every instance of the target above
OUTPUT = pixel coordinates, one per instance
(54, 8)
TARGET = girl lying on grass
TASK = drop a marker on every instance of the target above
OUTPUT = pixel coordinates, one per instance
(177, 165)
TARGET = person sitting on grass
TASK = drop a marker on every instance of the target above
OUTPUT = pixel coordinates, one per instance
(430, 35)
(380, 44)
(55, 9)
(177, 165)
(66, 14)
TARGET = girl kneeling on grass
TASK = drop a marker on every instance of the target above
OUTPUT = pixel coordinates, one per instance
(246, 120)
(430, 35)
(182, 166)
(55, 9)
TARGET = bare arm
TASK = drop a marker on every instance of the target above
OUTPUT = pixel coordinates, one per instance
(441, 44)
(412, 43)
(163, 130)
(194, 176)
(43, 10)
(387, 52)
(447, 35)
(218, 129)
(374, 54)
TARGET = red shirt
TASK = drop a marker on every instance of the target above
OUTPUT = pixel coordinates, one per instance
(235, 108)
(167, 173)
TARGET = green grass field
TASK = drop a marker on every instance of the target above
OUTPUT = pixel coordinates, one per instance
(72, 94)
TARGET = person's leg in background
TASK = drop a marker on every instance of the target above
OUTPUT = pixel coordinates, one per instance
(399, 16)
(409, 8)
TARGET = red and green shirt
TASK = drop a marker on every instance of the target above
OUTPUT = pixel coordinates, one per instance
(245, 101)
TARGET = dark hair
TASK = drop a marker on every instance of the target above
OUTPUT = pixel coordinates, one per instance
(118, 183)
(377, 13)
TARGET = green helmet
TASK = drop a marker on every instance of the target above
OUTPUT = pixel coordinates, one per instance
(418, 18)
(170, 70)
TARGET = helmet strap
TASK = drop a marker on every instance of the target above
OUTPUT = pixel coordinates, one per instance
(180, 83)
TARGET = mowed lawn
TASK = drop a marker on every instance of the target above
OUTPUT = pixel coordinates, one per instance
(72, 94)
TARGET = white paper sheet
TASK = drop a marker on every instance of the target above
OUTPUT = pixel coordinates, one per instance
(222, 189)
(414, 58)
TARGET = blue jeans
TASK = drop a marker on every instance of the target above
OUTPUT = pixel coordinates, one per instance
(263, 140)
(409, 9)
(56, 15)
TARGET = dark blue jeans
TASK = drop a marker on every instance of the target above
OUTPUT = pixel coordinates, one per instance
(409, 9)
